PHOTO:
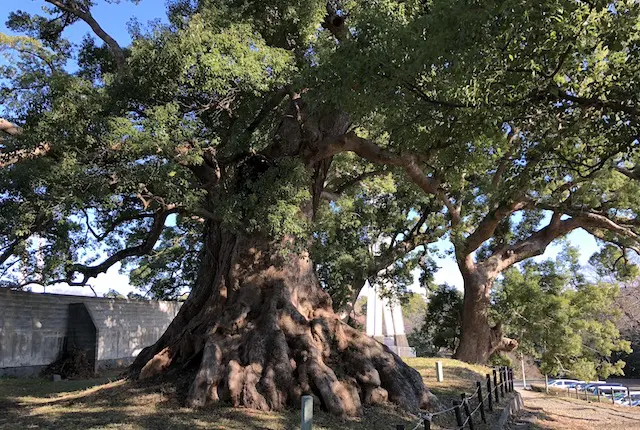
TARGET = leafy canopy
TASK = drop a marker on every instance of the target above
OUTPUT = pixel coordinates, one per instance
(502, 124)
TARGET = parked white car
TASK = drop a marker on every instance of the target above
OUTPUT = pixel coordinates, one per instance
(623, 399)
(608, 389)
(564, 383)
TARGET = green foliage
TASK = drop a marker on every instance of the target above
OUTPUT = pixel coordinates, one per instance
(441, 327)
(414, 309)
(498, 360)
(612, 261)
(497, 103)
(113, 294)
(569, 326)
(269, 202)
(361, 235)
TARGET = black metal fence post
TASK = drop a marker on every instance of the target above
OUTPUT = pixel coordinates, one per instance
(507, 380)
(481, 402)
(598, 392)
(489, 393)
(502, 382)
(467, 411)
(495, 385)
(458, 414)
(427, 422)
(513, 387)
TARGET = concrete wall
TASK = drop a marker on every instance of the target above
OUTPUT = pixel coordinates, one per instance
(35, 327)
(126, 326)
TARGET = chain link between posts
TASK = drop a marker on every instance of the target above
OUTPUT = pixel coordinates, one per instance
(430, 416)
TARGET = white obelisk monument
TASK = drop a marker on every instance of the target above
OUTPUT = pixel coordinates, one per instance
(380, 310)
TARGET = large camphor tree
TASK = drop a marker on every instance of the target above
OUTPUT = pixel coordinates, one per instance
(195, 153)
(213, 147)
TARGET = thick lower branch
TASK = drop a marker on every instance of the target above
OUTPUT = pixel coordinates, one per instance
(88, 272)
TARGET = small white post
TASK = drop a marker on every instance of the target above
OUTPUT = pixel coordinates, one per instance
(439, 372)
(524, 379)
(306, 421)
(546, 384)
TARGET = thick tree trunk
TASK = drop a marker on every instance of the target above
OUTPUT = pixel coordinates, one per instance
(258, 331)
(475, 342)
(479, 340)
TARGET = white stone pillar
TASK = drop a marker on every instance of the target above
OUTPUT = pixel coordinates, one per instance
(371, 309)
(388, 319)
(377, 316)
(398, 324)
(439, 372)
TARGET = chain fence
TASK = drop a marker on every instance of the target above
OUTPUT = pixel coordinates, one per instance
(497, 388)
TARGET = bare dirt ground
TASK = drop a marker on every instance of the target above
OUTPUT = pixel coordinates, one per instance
(549, 412)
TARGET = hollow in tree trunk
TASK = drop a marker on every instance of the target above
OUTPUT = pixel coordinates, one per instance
(258, 331)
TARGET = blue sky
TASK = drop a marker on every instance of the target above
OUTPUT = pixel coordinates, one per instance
(114, 19)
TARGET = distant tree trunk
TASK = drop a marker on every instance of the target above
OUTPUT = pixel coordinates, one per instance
(476, 340)
(479, 339)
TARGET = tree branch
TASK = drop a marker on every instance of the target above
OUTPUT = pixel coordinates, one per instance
(599, 103)
(348, 183)
(9, 128)
(487, 227)
(537, 242)
(534, 245)
(73, 8)
(115, 223)
(145, 247)
(367, 149)
(630, 173)
(9, 158)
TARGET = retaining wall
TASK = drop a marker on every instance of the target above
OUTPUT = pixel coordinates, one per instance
(35, 328)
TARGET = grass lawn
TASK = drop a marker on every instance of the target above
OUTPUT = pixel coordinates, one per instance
(103, 404)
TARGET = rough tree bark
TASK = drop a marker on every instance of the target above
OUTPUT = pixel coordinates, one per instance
(259, 331)
(479, 338)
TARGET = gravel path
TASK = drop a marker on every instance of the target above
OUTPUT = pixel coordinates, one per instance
(548, 412)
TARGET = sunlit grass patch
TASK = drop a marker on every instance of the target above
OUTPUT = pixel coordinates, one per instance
(99, 403)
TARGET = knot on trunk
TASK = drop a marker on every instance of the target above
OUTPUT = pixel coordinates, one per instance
(499, 343)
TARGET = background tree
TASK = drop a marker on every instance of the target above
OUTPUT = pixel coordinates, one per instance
(520, 119)
(628, 301)
(414, 309)
(370, 231)
(441, 325)
(561, 319)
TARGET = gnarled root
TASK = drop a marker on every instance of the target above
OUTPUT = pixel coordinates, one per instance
(268, 355)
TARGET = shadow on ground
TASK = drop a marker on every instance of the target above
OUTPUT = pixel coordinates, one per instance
(130, 406)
